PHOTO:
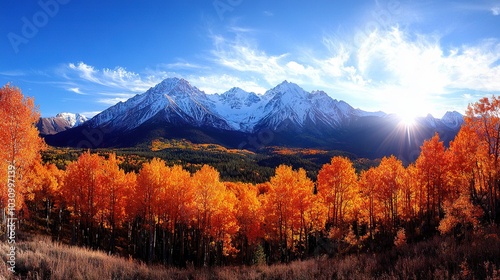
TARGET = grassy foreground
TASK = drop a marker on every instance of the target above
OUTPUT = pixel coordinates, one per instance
(438, 258)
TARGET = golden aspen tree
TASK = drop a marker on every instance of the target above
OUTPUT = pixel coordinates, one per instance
(432, 168)
(250, 216)
(114, 185)
(409, 194)
(391, 177)
(82, 190)
(370, 207)
(460, 213)
(20, 145)
(147, 194)
(290, 210)
(483, 117)
(215, 214)
(338, 186)
(45, 182)
(178, 200)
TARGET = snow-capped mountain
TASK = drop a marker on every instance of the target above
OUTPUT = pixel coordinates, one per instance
(60, 122)
(284, 115)
(173, 100)
(241, 109)
(453, 119)
(176, 101)
(72, 118)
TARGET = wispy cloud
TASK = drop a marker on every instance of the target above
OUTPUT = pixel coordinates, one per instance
(76, 90)
(107, 86)
(13, 73)
(495, 10)
(179, 66)
(111, 101)
(268, 13)
(117, 78)
(90, 114)
(221, 83)
(240, 56)
(112, 98)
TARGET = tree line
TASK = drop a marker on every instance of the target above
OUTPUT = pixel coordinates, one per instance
(166, 214)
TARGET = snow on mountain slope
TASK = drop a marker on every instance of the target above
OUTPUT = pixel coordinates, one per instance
(289, 103)
(453, 119)
(72, 119)
(175, 101)
(61, 122)
(239, 108)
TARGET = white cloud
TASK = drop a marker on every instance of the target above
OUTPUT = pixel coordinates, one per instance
(90, 114)
(12, 73)
(111, 101)
(86, 72)
(180, 65)
(393, 58)
(117, 78)
(418, 66)
(108, 86)
(495, 10)
(243, 58)
(268, 13)
(222, 83)
(76, 90)
(111, 98)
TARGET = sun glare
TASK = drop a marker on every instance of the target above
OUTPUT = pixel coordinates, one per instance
(409, 109)
(407, 118)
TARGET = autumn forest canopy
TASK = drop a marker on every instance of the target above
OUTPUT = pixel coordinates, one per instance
(167, 214)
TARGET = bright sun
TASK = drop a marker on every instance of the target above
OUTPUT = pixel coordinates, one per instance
(407, 118)
(409, 111)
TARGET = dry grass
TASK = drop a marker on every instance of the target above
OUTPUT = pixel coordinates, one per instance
(42, 259)
(439, 258)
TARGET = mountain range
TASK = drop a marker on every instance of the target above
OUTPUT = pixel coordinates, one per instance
(61, 122)
(285, 115)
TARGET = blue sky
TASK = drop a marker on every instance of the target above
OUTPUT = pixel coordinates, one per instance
(397, 56)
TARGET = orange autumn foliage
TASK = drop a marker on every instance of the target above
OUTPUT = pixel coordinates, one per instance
(338, 186)
(214, 207)
(19, 140)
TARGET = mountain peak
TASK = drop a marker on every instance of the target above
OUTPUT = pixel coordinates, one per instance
(452, 114)
(72, 118)
(453, 119)
(286, 84)
(288, 89)
(60, 122)
(236, 91)
(174, 87)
